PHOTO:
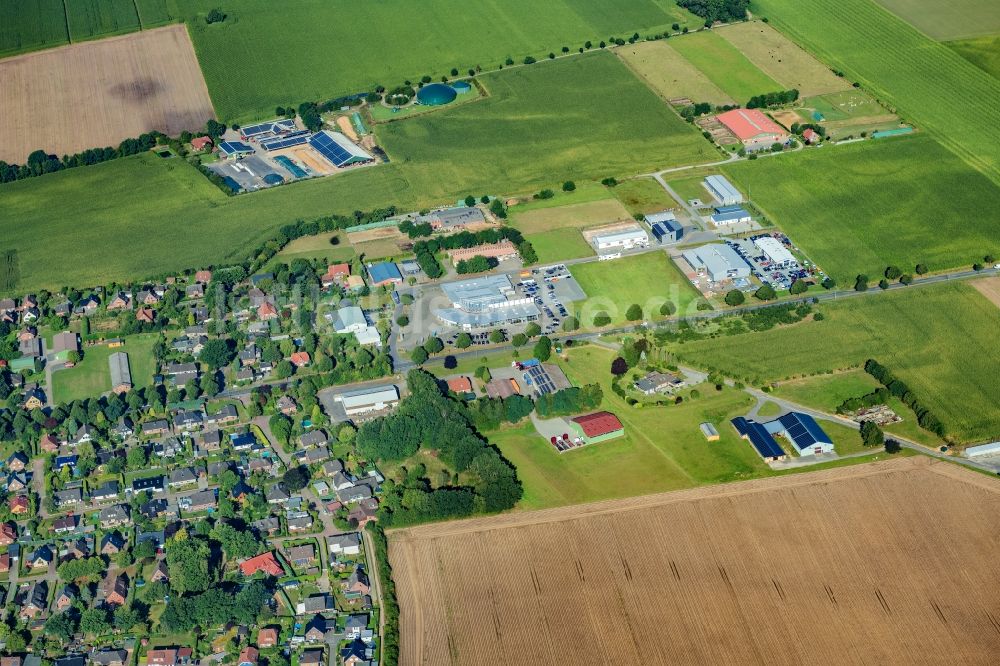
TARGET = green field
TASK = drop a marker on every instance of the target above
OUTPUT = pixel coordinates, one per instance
(926, 82)
(724, 65)
(955, 19)
(642, 196)
(143, 216)
(938, 339)
(26, 26)
(670, 74)
(983, 52)
(859, 208)
(318, 247)
(575, 216)
(648, 279)
(90, 18)
(91, 376)
(560, 245)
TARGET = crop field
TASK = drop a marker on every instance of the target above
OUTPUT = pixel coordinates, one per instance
(983, 52)
(716, 575)
(577, 216)
(670, 74)
(649, 280)
(560, 245)
(925, 81)
(111, 208)
(642, 196)
(291, 61)
(583, 118)
(9, 271)
(89, 18)
(782, 59)
(932, 338)
(724, 65)
(91, 376)
(957, 19)
(859, 208)
(132, 84)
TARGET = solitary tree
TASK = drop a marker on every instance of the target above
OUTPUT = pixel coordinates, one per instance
(463, 341)
(871, 434)
(634, 312)
(570, 324)
(496, 336)
(765, 293)
(601, 319)
(735, 297)
(433, 346)
(619, 367)
(519, 340)
(543, 348)
(861, 283)
(798, 287)
(668, 308)
(569, 186)
(418, 355)
(470, 201)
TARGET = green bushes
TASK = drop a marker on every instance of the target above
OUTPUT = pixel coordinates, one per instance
(925, 418)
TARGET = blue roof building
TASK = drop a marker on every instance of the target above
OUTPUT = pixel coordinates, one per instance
(235, 149)
(667, 231)
(803, 432)
(760, 438)
(384, 273)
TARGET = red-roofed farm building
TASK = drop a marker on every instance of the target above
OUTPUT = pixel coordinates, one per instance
(597, 427)
(754, 129)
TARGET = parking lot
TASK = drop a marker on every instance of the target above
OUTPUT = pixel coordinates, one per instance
(251, 173)
(778, 276)
(551, 287)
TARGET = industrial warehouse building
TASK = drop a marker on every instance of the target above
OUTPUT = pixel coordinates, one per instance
(384, 273)
(718, 261)
(726, 215)
(596, 427)
(775, 251)
(620, 239)
(665, 227)
(723, 191)
(364, 401)
(754, 129)
(501, 251)
(351, 319)
(121, 376)
(801, 430)
(452, 218)
(485, 302)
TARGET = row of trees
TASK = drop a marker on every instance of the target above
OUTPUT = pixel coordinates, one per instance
(571, 400)
(926, 419)
(770, 99)
(40, 162)
(717, 10)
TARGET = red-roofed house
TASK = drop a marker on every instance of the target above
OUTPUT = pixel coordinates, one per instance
(8, 534)
(267, 637)
(203, 276)
(299, 359)
(460, 384)
(169, 656)
(248, 656)
(19, 505)
(201, 143)
(335, 273)
(810, 137)
(145, 315)
(264, 562)
(267, 311)
(597, 427)
(753, 128)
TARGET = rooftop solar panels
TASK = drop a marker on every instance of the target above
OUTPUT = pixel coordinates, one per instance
(235, 148)
(338, 149)
(270, 127)
(759, 437)
(801, 429)
(295, 139)
(540, 380)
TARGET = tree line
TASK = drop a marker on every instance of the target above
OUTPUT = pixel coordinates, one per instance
(770, 99)
(717, 10)
(426, 250)
(41, 162)
(926, 419)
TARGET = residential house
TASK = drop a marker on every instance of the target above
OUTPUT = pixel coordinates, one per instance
(182, 476)
(266, 311)
(115, 516)
(267, 637)
(188, 420)
(157, 427)
(356, 653)
(363, 512)
(226, 414)
(355, 626)
(194, 291)
(8, 533)
(267, 526)
(203, 276)
(16, 482)
(264, 562)
(171, 656)
(17, 462)
(248, 656)
(145, 315)
(313, 438)
(357, 583)
(68, 498)
(49, 443)
(124, 429)
(344, 544)
(302, 555)
(41, 558)
(109, 657)
(116, 589)
(64, 525)
(120, 301)
(108, 491)
(154, 508)
(153, 484)
(659, 382)
(317, 603)
(299, 359)
(316, 629)
(64, 599)
(161, 574)
(171, 447)
(33, 399)
(35, 600)
(277, 494)
(203, 500)
(286, 405)
(112, 543)
(19, 505)
(299, 523)
(312, 658)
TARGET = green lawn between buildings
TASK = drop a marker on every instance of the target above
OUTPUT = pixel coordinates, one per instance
(92, 375)
(859, 208)
(581, 118)
(938, 339)
(642, 196)
(647, 279)
(560, 245)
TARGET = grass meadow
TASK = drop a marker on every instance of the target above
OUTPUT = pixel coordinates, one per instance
(861, 207)
(92, 376)
(938, 339)
(642, 196)
(670, 74)
(649, 280)
(575, 216)
(927, 82)
(560, 245)
(983, 52)
(145, 216)
(957, 19)
(724, 65)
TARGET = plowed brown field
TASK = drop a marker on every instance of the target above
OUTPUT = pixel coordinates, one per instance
(95, 94)
(888, 563)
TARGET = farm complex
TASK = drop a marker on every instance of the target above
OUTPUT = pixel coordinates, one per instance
(420, 333)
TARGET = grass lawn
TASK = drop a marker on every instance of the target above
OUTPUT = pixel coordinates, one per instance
(925, 81)
(585, 192)
(859, 208)
(318, 247)
(560, 245)
(642, 196)
(581, 118)
(691, 187)
(91, 376)
(573, 216)
(983, 52)
(468, 365)
(649, 279)
(953, 20)
(671, 75)
(782, 59)
(724, 65)
(934, 338)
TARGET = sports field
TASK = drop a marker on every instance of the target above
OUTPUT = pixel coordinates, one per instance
(934, 338)
(670, 74)
(649, 280)
(983, 52)
(92, 376)
(924, 80)
(122, 220)
(576, 216)
(95, 94)
(956, 19)
(642, 196)
(716, 575)
(782, 59)
(560, 245)
(859, 208)
(724, 65)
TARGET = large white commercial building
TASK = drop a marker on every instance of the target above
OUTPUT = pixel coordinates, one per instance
(368, 400)
(775, 251)
(352, 319)
(723, 191)
(484, 302)
(622, 239)
(718, 261)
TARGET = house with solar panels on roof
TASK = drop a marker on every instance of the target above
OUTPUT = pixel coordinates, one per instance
(800, 430)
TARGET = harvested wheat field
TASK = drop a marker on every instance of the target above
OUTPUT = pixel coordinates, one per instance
(95, 94)
(886, 563)
(990, 288)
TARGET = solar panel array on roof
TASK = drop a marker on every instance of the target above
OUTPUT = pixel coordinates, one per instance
(234, 147)
(270, 127)
(295, 139)
(540, 380)
(802, 430)
(338, 149)
(759, 437)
